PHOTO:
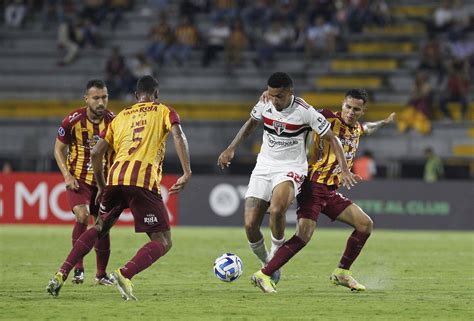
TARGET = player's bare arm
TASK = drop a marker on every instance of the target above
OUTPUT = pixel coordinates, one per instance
(97, 156)
(371, 127)
(60, 155)
(348, 179)
(245, 131)
(182, 149)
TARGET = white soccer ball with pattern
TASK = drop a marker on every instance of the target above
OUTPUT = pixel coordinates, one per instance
(228, 267)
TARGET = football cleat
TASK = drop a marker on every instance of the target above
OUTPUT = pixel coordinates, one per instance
(344, 277)
(78, 277)
(104, 280)
(124, 285)
(263, 282)
(55, 284)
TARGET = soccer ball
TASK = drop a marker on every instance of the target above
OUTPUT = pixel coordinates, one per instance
(228, 267)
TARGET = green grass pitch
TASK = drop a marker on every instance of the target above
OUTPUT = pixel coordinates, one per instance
(410, 275)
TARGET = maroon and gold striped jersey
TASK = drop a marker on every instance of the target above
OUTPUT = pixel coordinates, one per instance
(80, 134)
(138, 136)
(323, 165)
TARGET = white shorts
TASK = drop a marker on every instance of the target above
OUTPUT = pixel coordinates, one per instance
(264, 179)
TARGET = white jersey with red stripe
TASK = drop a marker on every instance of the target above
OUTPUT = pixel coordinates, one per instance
(285, 133)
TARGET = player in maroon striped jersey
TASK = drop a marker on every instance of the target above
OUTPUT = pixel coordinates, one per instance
(138, 136)
(319, 194)
(78, 134)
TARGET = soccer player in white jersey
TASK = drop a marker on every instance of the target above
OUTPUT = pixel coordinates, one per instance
(282, 162)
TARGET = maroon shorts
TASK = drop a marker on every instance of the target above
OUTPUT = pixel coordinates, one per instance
(85, 195)
(316, 198)
(147, 207)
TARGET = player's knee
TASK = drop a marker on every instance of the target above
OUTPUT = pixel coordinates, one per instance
(365, 225)
(277, 211)
(168, 244)
(101, 229)
(82, 217)
(305, 230)
(251, 227)
(370, 225)
(82, 214)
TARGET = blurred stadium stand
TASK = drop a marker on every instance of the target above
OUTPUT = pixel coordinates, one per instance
(36, 93)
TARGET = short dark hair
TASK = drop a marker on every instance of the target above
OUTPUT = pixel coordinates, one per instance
(97, 83)
(147, 85)
(280, 80)
(358, 93)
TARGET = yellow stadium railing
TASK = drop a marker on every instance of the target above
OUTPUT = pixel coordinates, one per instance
(364, 64)
(405, 29)
(463, 150)
(225, 111)
(412, 11)
(372, 82)
(381, 47)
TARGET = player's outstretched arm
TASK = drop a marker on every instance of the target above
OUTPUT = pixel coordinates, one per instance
(182, 149)
(245, 131)
(60, 156)
(97, 157)
(371, 127)
(348, 179)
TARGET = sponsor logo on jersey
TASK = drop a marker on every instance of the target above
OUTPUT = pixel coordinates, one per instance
(90, 142)
(272, 142)
(61, 131)
(354, 143)
(142, 109)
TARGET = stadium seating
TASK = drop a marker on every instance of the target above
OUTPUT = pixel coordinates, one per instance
(382, 59)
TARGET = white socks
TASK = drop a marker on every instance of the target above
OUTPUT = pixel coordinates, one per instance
(275, 246)
(260, 250)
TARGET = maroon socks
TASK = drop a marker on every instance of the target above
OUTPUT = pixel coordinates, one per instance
(102, 251)
(81, 247)
(145, 257)
(77, 231)
(284, 254)
(355, 243)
